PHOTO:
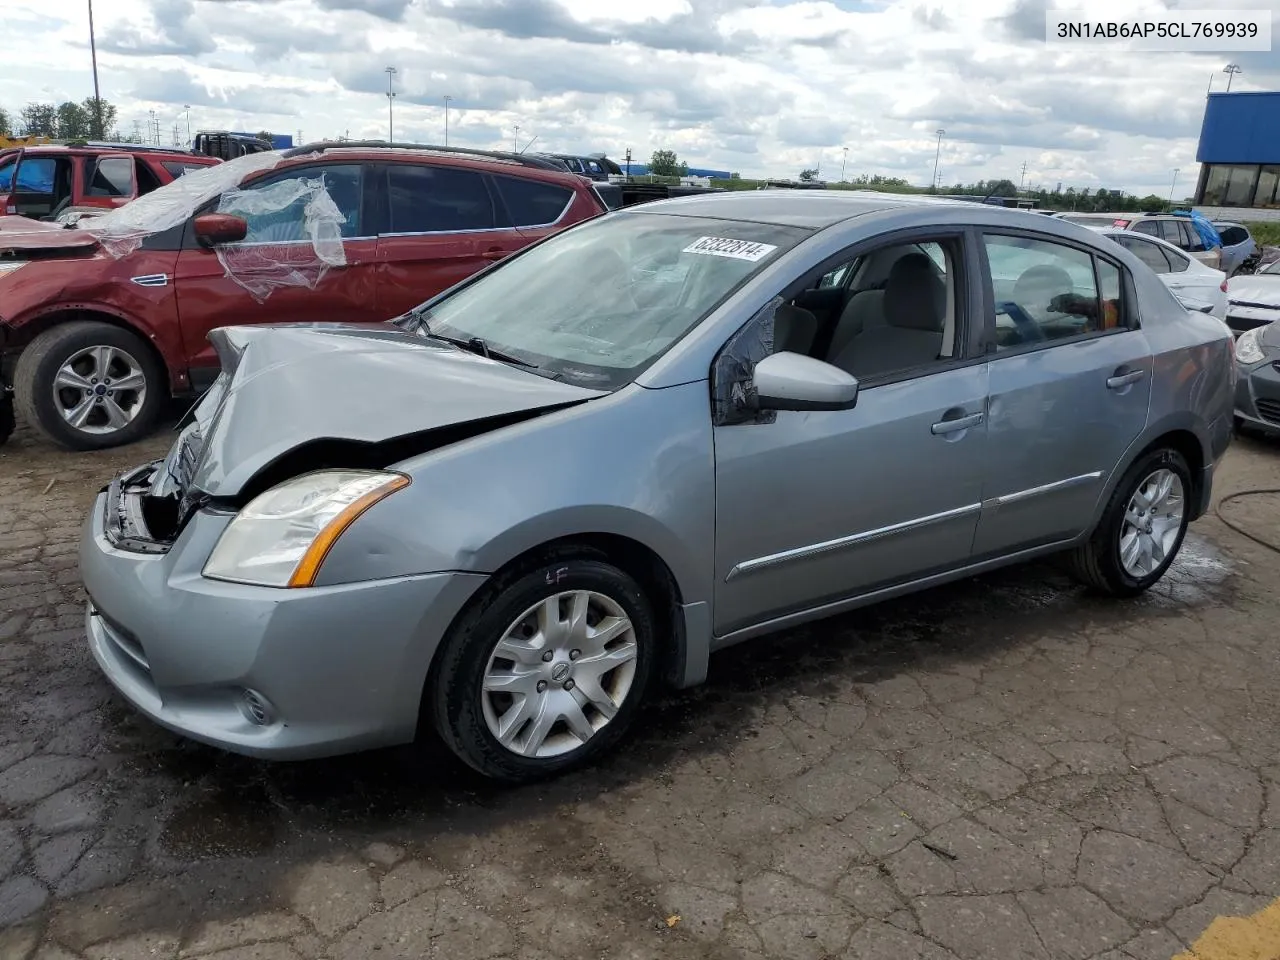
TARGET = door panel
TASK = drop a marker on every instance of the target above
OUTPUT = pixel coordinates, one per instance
(818, 506)
(443, 226)
(1061, 414)
(278, 276)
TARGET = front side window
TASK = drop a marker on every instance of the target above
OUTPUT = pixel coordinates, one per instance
(1046, 291)
(427, 199)
(278, 209)
(598, 303)
(531, 203)
(111, 177)
(37, 175)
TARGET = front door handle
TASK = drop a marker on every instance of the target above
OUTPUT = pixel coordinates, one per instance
(1122, 380)
(953, 426)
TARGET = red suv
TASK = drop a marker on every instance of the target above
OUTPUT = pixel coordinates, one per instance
(109, 318)
(43, 182)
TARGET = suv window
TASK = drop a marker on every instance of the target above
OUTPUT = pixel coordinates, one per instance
(288, 224)
(1150, 227)
(37, 174)
(532, 204)
(426, 199)
(147, 179)
(1233, 235)
(177, 168)
(1046, 291)
(109, 177)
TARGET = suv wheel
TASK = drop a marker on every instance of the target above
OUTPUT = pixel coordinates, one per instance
(1141, 529)
(88, 385)
(546, 670)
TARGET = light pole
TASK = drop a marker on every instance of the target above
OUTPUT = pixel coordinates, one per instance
(186, 109)
(391, 99)
(99, 133)
(843, 163)
(447, 98)
(515, 137)
(1231, 69)
(1172, 185)
(936, 155)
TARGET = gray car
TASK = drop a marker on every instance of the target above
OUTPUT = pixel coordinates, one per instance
(515, 512)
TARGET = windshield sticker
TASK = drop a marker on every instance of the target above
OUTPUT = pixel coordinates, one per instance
(734, 249)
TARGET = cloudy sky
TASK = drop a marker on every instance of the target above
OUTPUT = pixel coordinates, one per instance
(764, 87)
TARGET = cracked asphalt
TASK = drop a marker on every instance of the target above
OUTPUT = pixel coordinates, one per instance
(1003, 768)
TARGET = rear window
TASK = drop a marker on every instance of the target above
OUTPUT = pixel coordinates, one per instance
(438, 200)
(530, 203)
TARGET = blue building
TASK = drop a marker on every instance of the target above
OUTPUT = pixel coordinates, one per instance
(642, 170)
(1239, 151)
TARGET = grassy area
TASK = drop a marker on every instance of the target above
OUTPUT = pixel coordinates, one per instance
(1265, 232)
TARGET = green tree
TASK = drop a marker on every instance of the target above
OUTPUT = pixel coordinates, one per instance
(6, 123)
(73, 122)
(1151, 204)
(40, 120)
(735, 176)
(100, 116)
(807, 175)
(264, 135)
(665, 163)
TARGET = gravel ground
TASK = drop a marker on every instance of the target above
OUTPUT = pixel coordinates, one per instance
(1003, 768)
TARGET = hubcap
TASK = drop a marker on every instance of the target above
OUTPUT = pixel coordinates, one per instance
(559, 674)
(1151, 524)
(99, 389)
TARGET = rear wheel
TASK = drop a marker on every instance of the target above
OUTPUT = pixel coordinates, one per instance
(546, 670)
(89, 385)
(1141, 529)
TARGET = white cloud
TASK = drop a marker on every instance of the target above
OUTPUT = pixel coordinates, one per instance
(758, 86)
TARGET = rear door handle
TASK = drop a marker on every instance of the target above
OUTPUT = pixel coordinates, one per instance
(953, 426)
(1120, 381)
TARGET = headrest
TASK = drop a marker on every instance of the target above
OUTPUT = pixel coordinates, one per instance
(913, 295)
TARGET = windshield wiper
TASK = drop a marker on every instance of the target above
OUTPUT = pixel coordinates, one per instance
(476, 345)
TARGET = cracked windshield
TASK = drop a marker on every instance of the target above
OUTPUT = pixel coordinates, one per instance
(699, 480)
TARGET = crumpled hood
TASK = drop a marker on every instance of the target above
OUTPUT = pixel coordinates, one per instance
(285, 386)
(21, 234)
(1255, 290)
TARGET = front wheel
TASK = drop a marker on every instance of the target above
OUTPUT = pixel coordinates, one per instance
(89, 385)
(546, 670)
(1141, 529)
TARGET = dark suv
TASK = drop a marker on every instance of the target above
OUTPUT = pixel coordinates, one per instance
(101, 323)
(45, 182)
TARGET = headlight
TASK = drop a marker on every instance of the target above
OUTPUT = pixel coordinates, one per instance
(7, 268)
(1248, 350)
(281, 537)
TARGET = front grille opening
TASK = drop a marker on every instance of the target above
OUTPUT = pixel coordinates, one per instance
(1269, 410)
(161, 515)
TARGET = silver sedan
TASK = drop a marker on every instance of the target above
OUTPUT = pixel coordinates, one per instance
(511, 514)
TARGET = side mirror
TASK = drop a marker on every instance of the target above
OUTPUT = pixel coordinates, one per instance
(214, 228)
(792, 381)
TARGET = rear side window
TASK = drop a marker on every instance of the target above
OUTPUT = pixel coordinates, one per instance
(1178, 262)
(530, 203)
(110, 177)
(1148, 253)
(1233, 235)
(438, 200)
(1150, 227)
(177, 168)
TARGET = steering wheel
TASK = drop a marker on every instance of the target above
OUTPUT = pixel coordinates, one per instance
(1028, 329)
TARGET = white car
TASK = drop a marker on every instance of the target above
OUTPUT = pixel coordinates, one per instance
(1254, 299)
(1198, 286)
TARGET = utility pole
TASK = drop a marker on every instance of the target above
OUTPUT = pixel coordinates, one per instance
(391, 98)
(936, 155)
(186, 108)
(1172, 185)
(98, 132)
(515, 137)
(1023, 181)
(447, 98)
(844, 163)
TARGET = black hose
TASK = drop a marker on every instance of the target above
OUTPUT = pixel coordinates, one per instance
(1236, 527)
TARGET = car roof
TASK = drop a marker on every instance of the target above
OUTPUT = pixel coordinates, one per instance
(432, 157)
(813, 209)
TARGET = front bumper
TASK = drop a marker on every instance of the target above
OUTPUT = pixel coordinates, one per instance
(333, 669)
(1258, 397)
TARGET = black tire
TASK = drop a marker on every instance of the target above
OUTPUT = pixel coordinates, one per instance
(454, 688)
(40, 362)
(1096, 562)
